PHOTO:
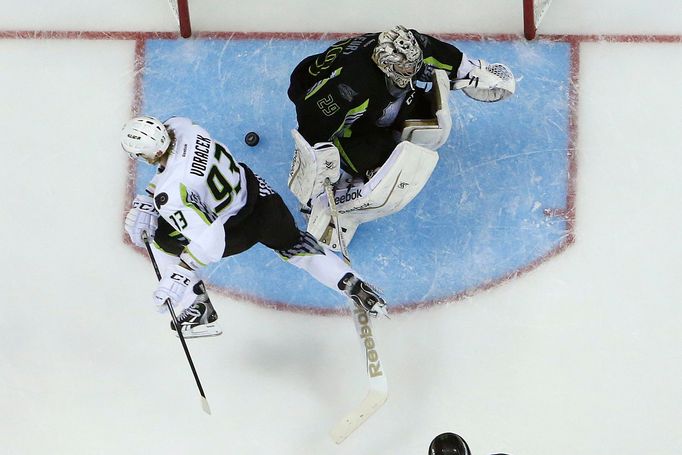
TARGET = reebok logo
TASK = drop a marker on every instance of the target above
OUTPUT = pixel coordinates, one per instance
(349, 196)
(373, 364)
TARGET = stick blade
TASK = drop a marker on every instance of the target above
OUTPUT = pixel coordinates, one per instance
(371, 404)
(205, 406)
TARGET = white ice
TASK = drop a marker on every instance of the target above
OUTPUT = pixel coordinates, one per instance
(583, 355)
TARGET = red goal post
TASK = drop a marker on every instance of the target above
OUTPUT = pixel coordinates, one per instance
(181, 10)
(533, 12)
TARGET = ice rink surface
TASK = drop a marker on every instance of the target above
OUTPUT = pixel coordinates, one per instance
(580, 354)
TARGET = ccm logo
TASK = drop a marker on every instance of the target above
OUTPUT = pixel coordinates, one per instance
(180, 279)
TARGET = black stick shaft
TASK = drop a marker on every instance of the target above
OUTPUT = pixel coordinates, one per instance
(175, 319)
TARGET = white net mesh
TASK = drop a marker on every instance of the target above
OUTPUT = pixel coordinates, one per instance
(174, 7)
(539, 9)
(180, 9)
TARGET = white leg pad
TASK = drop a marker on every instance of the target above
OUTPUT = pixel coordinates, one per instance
(432, 133)
(311, 166)
(396, 183)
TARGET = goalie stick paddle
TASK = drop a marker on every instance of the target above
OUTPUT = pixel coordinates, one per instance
(378, 386)
(204, 401)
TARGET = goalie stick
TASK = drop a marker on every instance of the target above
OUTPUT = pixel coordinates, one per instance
(378, 386)
(204, 401)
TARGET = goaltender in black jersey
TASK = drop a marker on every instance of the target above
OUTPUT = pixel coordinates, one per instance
(374, 107)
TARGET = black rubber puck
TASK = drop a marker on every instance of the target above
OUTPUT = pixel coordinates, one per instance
(252, 139)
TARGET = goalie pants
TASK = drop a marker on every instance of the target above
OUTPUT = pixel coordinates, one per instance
(264, 219)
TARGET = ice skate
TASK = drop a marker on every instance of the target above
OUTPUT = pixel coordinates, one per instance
(363, 295)
(199, 319)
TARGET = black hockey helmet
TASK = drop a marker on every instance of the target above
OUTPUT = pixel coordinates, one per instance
(449, 444)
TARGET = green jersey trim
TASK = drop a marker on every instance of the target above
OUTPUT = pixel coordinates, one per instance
(434, 62)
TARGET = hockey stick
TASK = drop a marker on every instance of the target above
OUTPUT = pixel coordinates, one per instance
(378, 386)
(335, 217)
(204, 401)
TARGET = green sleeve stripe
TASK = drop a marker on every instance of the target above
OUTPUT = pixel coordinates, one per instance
(343, 154)
(433, 62)
(194, 257)
(350, 117)
(318, 85)
(183, 194)
(345, 131)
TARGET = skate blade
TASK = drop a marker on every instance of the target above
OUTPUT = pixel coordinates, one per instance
(201, 331)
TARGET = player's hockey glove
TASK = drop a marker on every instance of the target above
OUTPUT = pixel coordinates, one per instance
(142, 217)
(176, 282)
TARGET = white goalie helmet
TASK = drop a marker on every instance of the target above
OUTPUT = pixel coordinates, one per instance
(398, 55)
(145, 137)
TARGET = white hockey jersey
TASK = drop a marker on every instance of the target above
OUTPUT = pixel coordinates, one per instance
(199, 189)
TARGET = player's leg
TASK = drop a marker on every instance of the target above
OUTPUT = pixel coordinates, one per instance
(277, 230)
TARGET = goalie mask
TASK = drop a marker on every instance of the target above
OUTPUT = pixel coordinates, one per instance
(398, 55)
(145, 137)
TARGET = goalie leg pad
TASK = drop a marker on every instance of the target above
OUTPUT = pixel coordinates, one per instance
(311, 166)
(396, 183)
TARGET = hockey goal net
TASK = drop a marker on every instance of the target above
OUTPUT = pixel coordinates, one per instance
(533, 12)
(181, 10)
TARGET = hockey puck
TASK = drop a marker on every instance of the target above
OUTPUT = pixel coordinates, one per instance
(251, 139)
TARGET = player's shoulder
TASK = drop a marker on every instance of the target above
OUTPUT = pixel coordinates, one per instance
(167, 198)
(185, 125)
(177, 122)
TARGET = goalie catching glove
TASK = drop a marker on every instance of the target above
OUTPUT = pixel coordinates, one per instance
(142, 217)
(176, 282)
(487, 82)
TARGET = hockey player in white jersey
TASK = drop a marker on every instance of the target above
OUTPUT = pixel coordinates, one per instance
(203, 205)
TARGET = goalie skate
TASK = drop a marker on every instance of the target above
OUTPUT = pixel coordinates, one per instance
(198, 320)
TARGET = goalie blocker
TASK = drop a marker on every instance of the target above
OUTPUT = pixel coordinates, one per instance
(311, 166)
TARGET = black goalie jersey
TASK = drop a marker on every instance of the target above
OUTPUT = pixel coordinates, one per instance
(342, 96)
